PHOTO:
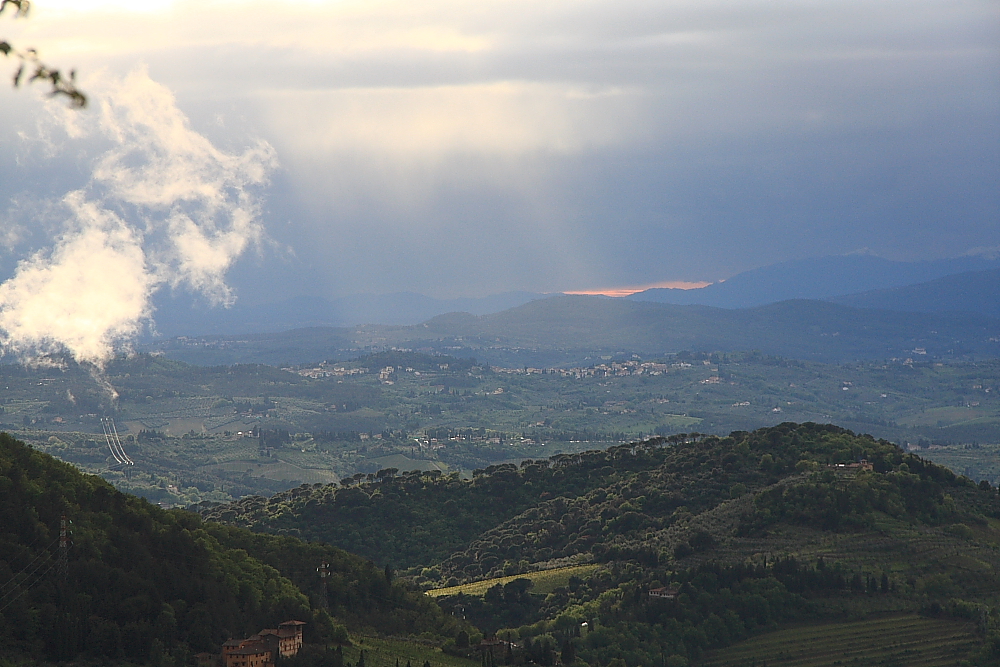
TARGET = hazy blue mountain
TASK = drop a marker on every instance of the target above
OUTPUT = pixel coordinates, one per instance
(568, 330)
(180, 315)
(970, 292)
(806, 329)
(816, 278)
(820, 278)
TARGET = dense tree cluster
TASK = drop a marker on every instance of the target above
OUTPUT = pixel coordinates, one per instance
(420, 518)
(668, 512)
(138, 583)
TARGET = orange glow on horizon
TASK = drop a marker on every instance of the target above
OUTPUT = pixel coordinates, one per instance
(627, 291)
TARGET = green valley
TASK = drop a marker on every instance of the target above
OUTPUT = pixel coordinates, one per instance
(220, 433)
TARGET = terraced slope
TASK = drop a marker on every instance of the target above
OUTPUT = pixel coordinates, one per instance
(894, 640)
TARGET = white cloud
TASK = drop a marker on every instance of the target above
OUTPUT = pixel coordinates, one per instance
(164, 207)
(195, 194)
(91, 290)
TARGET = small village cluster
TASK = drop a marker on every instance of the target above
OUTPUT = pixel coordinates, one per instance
(260, 650)
(613, 369)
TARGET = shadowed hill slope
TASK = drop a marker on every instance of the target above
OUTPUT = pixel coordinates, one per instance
(140, 584)
(815, 278)
(572, 328)
(746, 533)
(797, 329)
(973, 292)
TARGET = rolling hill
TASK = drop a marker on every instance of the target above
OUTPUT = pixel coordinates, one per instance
(972, 292)
(565, 330)
(799, 525)
(134, 584)
(182, 315)
(815, 278)
(665, 550)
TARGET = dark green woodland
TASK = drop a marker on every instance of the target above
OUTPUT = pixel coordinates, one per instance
(142, 585)
(736, 537)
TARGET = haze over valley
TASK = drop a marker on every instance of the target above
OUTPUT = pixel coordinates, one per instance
(450, 334)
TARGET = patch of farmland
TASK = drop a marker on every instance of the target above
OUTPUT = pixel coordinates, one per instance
(544, 581)
(893, 640)
(281, 471)
(393, 651)
(405, 463)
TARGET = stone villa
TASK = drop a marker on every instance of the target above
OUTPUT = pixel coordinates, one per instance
(259, 650)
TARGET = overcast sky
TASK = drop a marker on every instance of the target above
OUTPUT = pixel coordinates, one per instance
(468, 148)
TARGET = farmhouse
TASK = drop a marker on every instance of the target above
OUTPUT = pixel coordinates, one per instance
(259, 650)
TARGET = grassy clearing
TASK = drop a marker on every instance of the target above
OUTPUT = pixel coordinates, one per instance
(951, 415)
(544, 581)
(404, 463)
(385, 652)
(908, 640)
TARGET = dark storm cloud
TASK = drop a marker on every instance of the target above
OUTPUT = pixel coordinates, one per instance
(455, 148)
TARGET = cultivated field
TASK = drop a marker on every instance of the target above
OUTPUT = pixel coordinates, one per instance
(544, 581)
(383, 652)
(910, 641)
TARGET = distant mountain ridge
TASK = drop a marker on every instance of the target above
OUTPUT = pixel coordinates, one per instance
(182, 316)
(795, 328)
(831, 278)
(971, 292)
(570, 329)
(816, 278)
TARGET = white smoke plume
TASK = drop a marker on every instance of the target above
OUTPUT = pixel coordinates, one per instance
(164, 207)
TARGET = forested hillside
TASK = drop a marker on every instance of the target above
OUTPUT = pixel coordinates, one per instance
(144, 585)
(749, 531)
(417, 518)
(678, 547)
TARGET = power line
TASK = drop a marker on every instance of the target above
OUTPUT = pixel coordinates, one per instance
(119, 441)
(20, 589)
(115, 442)
(13, 579)
(25, 589)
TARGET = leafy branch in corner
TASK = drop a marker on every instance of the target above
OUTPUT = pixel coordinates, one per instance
(32, 69)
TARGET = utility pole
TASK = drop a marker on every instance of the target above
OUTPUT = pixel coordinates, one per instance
(63, 547)
(324, 572)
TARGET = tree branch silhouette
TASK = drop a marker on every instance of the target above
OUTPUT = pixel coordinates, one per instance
(32, 69)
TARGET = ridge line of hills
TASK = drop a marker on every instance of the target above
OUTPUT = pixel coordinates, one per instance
(972, 292)
(843, 279)
(828, 277)
(688, 511)
(753, 531)
(564, 330)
